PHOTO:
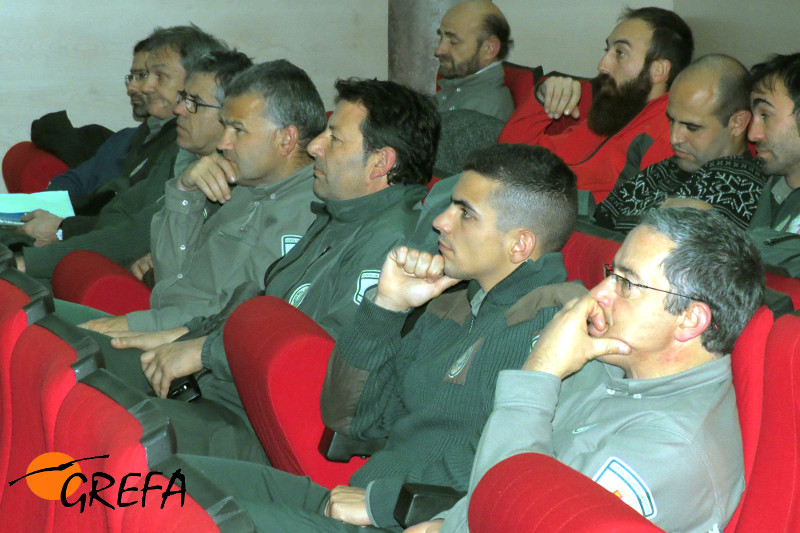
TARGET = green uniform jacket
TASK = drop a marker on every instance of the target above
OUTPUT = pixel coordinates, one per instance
(430, 393)
(326, 273)
(122, 231)
(773, 227)
(484, 92)
(198, 262)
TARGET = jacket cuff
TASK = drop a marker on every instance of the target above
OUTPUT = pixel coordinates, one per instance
(372, 326)
(381, 499)
(214, 358)
(183, 201)
(524, 387)
(141, 321)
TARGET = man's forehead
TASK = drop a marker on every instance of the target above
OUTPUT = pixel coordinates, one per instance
(242, 108)
(634, 32)
(347, 117)
(473, 188)
(643, 252)
(163, 57)
(203, 84)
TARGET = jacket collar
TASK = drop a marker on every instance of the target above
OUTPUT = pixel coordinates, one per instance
(718, 370)
(365, 206)
(547, 270)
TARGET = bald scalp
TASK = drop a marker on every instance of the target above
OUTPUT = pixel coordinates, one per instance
(727, 76)
(492, 22)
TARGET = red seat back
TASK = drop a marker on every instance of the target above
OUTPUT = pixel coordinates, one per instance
(28, 169)
(786, 285)
(534, 493)
(278, 357)
(585, 255)
(91, 279)
(771, 502)
(40, 379)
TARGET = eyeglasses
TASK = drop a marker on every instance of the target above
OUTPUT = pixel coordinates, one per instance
(135, 76)
(191, 103)
(623, 285)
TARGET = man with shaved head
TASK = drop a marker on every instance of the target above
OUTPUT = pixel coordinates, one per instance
(708, 112)
(473, 41)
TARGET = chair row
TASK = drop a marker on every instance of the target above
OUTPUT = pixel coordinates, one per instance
(55, 396)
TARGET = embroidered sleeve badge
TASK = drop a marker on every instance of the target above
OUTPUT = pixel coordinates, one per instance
(622, 481)
(366, 280)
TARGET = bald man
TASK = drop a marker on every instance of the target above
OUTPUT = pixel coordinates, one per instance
(473, 41)
(708, 112)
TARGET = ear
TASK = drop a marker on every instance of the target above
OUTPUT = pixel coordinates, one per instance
(694, 320)
(738, 123)
(490, 48)
(382, 162)
(523, 246)
(659, 71)
(287, 140)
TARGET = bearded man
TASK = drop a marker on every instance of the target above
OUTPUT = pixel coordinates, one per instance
(625, 129)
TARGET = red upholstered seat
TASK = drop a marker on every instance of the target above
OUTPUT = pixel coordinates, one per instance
(40, 379)
(20, 303)
(786, 285)
(28, 169)
(534, 493)
(585, 255)
(747, 363)
(91, 279)
(278, 357)
(90, 424)
(520, 80)
(771, 502)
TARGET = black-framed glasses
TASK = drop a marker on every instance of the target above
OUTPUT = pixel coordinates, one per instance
(135, 76)
(622, 286)
(191, 103)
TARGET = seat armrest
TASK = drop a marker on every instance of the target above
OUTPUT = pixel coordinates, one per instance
(417, 502)
(340, 448)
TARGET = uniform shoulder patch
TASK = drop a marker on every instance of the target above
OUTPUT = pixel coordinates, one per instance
(622, 481)
(288, 242)
(366, 280)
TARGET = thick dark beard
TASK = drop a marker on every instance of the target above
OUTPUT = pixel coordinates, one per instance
(613, 107)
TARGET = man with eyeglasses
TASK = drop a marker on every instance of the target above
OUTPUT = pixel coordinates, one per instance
(110, 159)
(114, 219)
(269, 115)
(631, 385)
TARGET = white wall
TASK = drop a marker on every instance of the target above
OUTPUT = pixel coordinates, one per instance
(746, 29)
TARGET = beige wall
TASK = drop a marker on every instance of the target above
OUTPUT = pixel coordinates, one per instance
(746, 29)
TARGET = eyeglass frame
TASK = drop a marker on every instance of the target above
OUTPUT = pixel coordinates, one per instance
(608, 270)
(183, 96)
(135, 77)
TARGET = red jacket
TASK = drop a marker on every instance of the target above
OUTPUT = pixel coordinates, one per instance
(597, 161)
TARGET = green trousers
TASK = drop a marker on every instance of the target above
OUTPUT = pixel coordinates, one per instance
(275, 500)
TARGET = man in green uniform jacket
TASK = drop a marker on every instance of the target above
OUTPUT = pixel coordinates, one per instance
(369, 170)
(430, 392)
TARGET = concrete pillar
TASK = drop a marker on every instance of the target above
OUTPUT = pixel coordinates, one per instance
(412, 40)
